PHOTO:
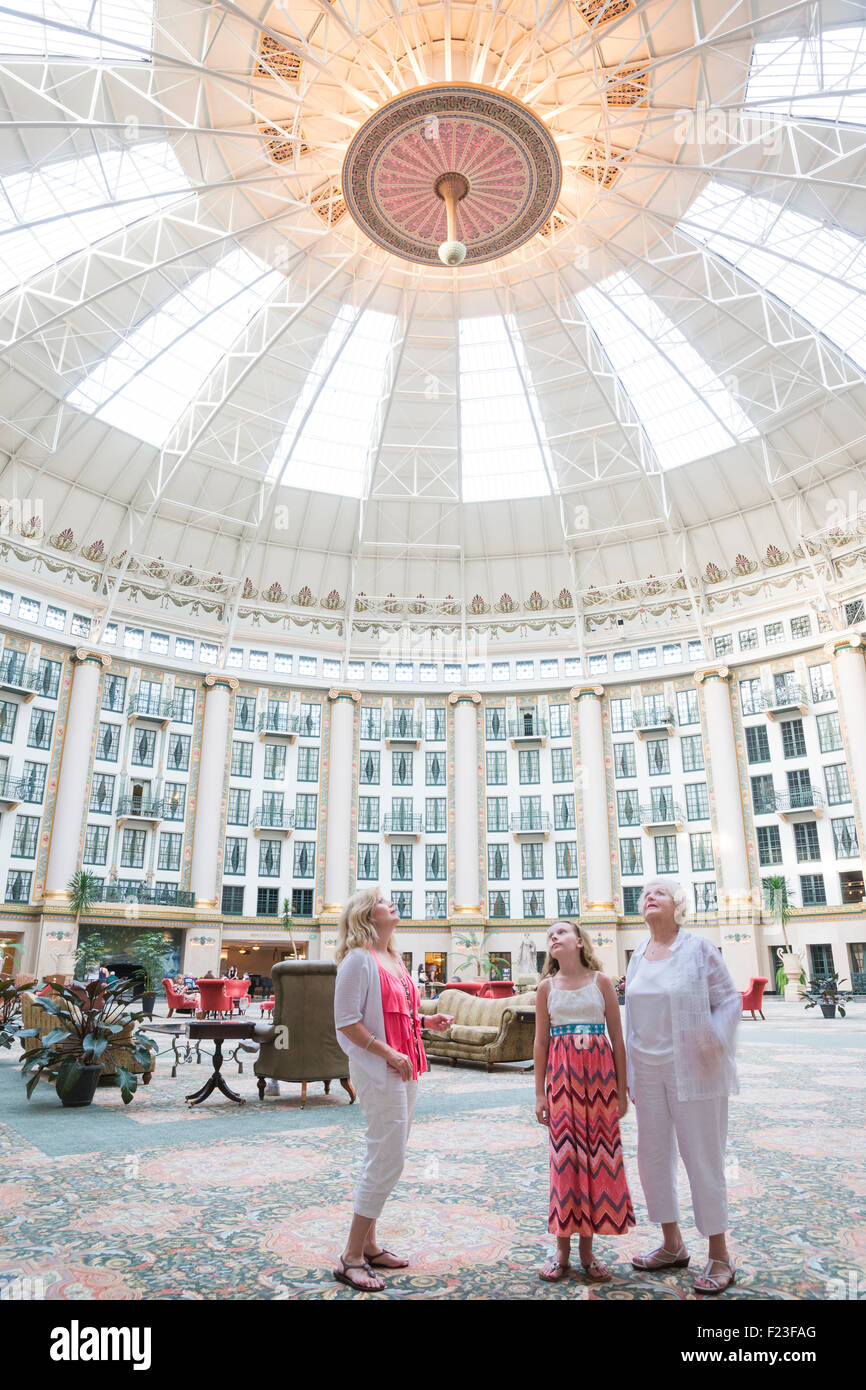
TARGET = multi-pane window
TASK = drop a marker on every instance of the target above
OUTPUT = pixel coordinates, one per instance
(402, 900)
(529, 765)
(183, 704)
(654, 710)
(310, 721)
(769, 845)
(402, 814)
(245, 713)
(95, 844)
(533, 902)
(268, 902)
(305, 857)
(24, 837)
(48, 678)
(497, 813)
(821, 682)
(627, 808)
(706, 898)
(630, 896)
(238, 806)
(829, 732)
(275, 761)
(41, 729)
(751, 696)
(32, 784)
(178, 752)
(499, 903)
(658, 756)
(368, 813)
(837, 784)
(702, 852)
(793, 739)
(785, 687)
(270, 858)
(174, 801)
(302, 901)
(845, 844)
(371, 723)
(563, 812)
(308, 764)
(566, 859)
(434, 724)
(114, 693)
(368, 862)
(436, 904)
(402, 768)
(763, 794)
(757, 743)
(801, 626)
(812, 890)
(567, 902)
(369, 775)
(697, 801)
(748, 639)
(630, 857)
(401, 862)
(233, 899)
(168, 852)
(436, 815)
(724, 646)
(497, 773)
(132, 849)
(773, 633)
(273, 808)
(532, 861)
(108, 742)
(494, 723)
(806, 841)
(624, 760)
(560, 726)
(662, 804)
(307, 811)
(143, 747)
(562, 765)
(8, 720)
(497, 862)
(18, 886)
(530, 813)
(235, 861)
(242, 758)
(800, 787)
(102, 794)
(435, 862)
(621, 717)
(692, 749)
(687, 707)
(666, 854)
(435, 768)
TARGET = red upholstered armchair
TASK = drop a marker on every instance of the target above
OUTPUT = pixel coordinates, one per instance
(177, 1000)
(267, 1006)
(467, 986)
(214, 999)
(238, 992)
(497, 989)
(753, 997)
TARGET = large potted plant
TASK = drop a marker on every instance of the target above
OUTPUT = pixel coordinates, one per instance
(287, 926)
(148, 950)
(778, 903)
(825, 992)
(471, 945)
(85, 891)
(89, 1020)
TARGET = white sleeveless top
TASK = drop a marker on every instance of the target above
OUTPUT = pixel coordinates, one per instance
(584, 1005)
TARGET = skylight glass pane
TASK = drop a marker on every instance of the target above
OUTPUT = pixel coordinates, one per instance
(685, 409)
(146, 383)
(330, 455)
(819, 271)
(134, 182)
(129, 20)
(822, 76)
(500, 423)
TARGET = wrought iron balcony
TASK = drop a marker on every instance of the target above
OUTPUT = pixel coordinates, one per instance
(527, 729)
(276, 724)
(163, 897)
(403, 825)
(538, 824)
(793, 698)
(663, 815)
(273, 818)
(806, 801)
(140, 808)
(11, 791)
(151, 710)
(655, 722)
(404, 731)
(18, 681)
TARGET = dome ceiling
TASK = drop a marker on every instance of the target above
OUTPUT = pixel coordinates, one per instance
(210, 370)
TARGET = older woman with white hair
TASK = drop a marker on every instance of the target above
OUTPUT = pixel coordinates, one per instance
(681, 1015)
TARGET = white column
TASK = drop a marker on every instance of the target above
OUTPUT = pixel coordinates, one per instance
(70, 807)
(211, 777)
(338, 838)
(733, 880)
(467, 883)
(592, 785)
(850, 672)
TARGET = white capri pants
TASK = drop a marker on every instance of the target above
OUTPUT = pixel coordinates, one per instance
(388, 1113)
(699, 1128)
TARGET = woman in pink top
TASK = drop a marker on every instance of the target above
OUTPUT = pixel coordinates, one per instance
(378, 1027)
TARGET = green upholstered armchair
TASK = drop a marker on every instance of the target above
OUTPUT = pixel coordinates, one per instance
(300, 1044)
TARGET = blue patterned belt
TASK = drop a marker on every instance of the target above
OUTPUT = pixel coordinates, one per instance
(558, 1030)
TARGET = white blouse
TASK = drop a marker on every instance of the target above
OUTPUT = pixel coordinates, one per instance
(649, 1002)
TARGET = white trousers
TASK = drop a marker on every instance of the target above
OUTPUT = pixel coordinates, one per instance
(388, 1113)
(699, 1129)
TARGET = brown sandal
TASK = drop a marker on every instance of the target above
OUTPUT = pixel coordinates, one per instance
(373, 1260)
(556, 1265)
(343, 1277)
(603, 1276)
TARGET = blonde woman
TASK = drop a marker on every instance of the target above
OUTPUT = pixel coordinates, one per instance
(681, 1015)
(580, 1095)
(379, 1028)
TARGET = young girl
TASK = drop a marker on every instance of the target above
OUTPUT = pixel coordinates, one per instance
(580, 1094)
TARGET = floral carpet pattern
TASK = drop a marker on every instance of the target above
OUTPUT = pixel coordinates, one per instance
(251, 1202)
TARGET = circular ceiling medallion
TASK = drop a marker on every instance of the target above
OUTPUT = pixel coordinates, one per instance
(398, 162)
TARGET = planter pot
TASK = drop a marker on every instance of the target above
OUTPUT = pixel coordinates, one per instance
(828, 1010)
(148, 1003)
(83, 1088)
(792, 964)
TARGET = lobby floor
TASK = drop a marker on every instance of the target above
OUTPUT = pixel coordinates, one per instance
(156, 1201)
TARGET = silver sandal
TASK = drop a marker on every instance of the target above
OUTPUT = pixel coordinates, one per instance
(662, 1259)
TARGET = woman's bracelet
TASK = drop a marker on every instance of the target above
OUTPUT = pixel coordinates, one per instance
(372, 1038)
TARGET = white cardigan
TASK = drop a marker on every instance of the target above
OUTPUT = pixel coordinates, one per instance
(358, 999)
(704, 999)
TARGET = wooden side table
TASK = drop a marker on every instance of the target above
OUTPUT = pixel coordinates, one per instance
(218, 1032)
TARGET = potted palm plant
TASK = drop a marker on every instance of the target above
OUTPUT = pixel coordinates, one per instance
(287, 926)
(85, 891)
(92, 1029)
(149, 950)
(471, 945)
(778, 903)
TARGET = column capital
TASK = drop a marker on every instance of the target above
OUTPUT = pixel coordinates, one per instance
(336, 693)
(714, 673)
(82, 655)
(583, 692)
(458, 696)
(850, 641)
(213, 682)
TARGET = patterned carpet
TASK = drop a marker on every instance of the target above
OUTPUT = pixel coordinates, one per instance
(227, 1201)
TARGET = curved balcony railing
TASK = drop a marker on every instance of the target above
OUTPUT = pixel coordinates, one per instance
(16, 678)
(658, 719)
(276, 722)
(666, 813)
(273, 818)
(539, 822)
(403, 825)
(791, 697)
(145, 807)
(527, 728)
(411, 729)
(145, 707)
(806, 799)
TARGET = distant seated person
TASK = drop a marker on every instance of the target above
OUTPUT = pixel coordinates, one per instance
(208, 975)
(232, 972)
(189, 981)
